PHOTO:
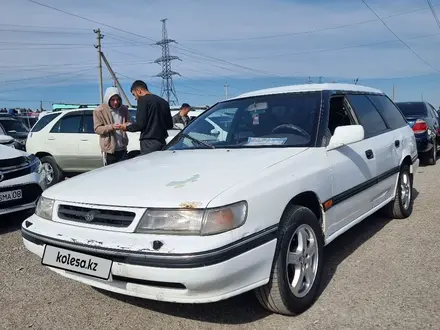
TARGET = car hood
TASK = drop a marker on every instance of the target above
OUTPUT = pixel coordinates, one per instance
(8, 152)
(168, 178)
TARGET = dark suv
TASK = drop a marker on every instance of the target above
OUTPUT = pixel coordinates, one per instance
(14, 128)
(424, 121)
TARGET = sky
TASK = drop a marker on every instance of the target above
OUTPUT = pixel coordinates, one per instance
(49, 55)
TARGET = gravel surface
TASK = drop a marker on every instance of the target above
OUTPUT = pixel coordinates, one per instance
(380, 275)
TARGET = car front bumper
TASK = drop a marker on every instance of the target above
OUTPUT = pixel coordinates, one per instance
(32, 185)
(203, 277)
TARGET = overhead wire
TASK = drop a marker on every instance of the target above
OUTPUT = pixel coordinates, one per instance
(310, 31)
(400, 39)
(434, 13)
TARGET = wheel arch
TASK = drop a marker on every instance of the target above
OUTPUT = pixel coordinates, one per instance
(42, 154)
(310, 200)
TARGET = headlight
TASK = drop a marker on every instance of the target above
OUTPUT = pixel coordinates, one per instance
(193, 221)
(44, 208)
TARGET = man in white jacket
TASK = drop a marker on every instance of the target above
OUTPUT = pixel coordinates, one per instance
(108, 119)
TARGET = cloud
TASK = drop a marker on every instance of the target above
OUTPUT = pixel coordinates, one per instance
(207, 32)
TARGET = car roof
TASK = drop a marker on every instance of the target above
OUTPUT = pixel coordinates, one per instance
(311, 88)
(411, 102)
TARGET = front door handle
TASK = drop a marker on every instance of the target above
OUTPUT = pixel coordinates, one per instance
(51, 138)
(84, 140)
(397, 143)
(369, 154)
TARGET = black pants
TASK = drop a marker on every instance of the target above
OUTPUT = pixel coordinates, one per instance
(116, 157)
(148, 146)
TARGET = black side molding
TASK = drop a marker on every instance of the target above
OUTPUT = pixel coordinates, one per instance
(339, 198)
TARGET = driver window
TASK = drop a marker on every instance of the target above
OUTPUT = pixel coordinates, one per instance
(339, 115)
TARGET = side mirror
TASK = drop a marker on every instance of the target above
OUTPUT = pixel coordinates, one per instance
(345, 135)
(6, 139)
(178, 126)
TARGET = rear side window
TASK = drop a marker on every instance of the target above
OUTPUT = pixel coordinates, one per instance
(367, 115)
(87, 124)
(68, 124)
(389, 111)
(42, 123)
(413, 109)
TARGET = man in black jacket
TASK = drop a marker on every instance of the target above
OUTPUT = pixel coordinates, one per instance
(153, 118)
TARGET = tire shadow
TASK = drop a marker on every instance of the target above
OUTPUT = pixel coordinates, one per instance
(12, 222)
(346, 244)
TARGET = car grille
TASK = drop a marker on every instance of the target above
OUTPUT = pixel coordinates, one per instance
(16, 173)
(30, 193)
(104, 217)
(11, 163)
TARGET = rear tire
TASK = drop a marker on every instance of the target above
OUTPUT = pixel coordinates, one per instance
(402, 205)
(432, 155)
(54, 174)
(298, 261)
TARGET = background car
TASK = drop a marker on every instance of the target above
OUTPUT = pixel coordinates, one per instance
(424, 120)
(11, 126)
(21, 180)
(66, 143)
(6, 140)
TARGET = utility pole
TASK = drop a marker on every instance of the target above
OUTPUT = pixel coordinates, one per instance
(421, 95)
(394, 93)
(115, 79)
(99, 36)
(320, 80)
(226, 90)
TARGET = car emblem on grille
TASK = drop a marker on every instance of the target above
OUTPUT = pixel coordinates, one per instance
(90, 216)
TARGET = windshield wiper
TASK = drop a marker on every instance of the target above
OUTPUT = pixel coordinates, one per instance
(197, 141)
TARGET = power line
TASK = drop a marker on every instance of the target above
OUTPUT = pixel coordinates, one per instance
(45, 27)
(45, 77)
(310, 31)
(403, 42)
(141, 36)
(337, 48)
(434, 13)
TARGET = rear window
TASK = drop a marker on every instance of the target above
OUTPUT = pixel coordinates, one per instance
(13, 125)
(46, 119)
(410, 109)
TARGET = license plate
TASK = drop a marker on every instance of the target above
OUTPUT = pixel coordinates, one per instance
(76, 262)
(12, 195)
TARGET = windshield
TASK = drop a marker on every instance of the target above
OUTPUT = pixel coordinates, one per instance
(12, 125)
(280, 120)
(410, 109)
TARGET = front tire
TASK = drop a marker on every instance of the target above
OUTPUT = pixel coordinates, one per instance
(53, 172)
(297, 269)
(402, 205)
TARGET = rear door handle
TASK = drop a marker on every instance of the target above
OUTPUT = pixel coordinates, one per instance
(51, 138)
(84, 140)
(397, 143)
(369, 154)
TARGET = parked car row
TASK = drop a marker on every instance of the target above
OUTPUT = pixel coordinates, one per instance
(243, 198)
(425, 122)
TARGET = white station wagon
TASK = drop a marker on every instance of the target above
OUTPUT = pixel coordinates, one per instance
(215, 215)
